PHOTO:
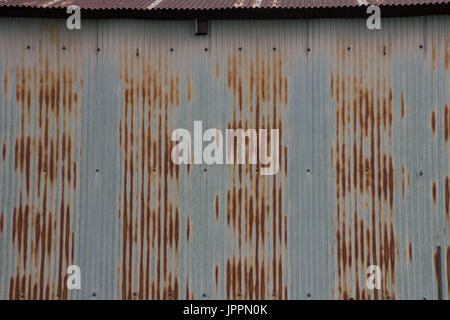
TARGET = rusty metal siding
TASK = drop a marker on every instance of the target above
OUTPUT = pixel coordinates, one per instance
(86, 176)
(208, 4)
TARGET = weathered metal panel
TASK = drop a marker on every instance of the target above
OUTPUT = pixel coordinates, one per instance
(86, 175)
(41, 113)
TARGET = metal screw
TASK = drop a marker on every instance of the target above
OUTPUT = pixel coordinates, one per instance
(64, 48)
(98, 49)
(171, 49)
(94, 294)
(240, 49)
(308, 49)
(274, 49)
(421, 46)
(97, 170)
(308, 295)
(348, 48)
(28, 47)
(206, 49)
(204, 295)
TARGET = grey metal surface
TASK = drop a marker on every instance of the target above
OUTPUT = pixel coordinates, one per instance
(86, 176)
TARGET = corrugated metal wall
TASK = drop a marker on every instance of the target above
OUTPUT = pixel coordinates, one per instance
(86, 176)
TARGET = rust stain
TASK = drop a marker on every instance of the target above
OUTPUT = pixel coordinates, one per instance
(216, 276)
(403, 104)
(188, 229)
(254, 203)
(433, 121)
(433, 57)
(447, 55)
(5, 84)
(410, 251)
(446, 122)
(434, 192)
(148, 204)
(44, 160)
(217, 69)
(4, 152)
(438, 271)
(190, 88)
(2, 222)
(365, 180)
(216, 205)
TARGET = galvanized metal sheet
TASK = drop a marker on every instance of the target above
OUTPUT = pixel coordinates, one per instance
(87, 179)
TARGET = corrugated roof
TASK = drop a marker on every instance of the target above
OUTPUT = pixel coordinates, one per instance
(208, 4)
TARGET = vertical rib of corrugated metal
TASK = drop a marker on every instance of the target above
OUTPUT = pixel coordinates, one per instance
(87, 177)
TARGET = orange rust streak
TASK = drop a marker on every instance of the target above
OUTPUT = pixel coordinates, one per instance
(37, 160)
